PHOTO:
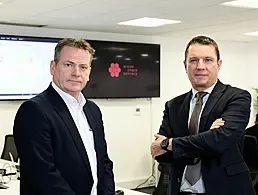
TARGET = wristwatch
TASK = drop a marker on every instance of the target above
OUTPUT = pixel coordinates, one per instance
(164, 144)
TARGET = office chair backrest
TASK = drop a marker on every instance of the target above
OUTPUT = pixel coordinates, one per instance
(250, 151)
(9, 147)
(250, 154)
(162, 187)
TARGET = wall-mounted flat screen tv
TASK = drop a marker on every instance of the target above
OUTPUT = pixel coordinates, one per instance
(119, 69)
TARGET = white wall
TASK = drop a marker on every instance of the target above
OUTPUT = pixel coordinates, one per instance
(129, 136)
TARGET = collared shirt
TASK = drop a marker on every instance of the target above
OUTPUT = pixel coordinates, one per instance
(198, 187)
(75, 108)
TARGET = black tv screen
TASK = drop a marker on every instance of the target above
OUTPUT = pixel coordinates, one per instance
(124, 70)
(119, 69)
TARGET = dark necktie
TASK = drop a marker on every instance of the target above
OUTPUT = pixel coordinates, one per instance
(193, 172)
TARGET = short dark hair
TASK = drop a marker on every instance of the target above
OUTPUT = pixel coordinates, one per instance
(256, 118)
(76, 43)
(203, 40)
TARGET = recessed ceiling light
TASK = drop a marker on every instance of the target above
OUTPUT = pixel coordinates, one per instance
(1, 3)
(242, 3)
(148, 22)
(252, 33)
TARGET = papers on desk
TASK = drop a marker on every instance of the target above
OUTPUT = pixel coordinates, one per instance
(3, 186)
(13, 188)
(9, 172)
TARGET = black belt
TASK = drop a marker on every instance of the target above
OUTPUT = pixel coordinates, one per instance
(191, 193)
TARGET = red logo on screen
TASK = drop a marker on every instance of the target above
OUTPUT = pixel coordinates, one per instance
(114, 69)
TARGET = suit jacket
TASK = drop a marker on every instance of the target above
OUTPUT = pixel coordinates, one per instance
(53, 159)
(224, 170)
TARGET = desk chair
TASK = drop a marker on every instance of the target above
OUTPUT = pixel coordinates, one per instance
(9, 147)
(250, 154)
(162, 186)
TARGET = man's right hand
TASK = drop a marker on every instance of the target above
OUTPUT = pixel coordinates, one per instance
(217, 123)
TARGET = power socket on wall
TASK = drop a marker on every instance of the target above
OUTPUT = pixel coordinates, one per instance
(137, 111)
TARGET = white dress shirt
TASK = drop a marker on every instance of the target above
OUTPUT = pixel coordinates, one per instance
(198, 187)
(76, 110)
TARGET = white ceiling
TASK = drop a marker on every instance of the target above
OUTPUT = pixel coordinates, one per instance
(197, 16)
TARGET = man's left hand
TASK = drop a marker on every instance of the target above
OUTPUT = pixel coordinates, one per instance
(156, 149)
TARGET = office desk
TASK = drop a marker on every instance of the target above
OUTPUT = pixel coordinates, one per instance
(14, 185)
(9, 166)
(14, 189)
(4, 163)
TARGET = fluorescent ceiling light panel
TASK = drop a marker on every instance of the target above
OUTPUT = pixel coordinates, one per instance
(252, 33)
(242, 3)
(148, 22)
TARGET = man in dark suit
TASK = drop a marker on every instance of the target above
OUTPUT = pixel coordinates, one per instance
(202, 131)
(253, 130)
(59, 134)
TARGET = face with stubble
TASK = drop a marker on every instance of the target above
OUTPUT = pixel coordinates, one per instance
(202, 66)
(71, 73)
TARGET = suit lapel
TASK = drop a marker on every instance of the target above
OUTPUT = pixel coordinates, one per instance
(89, 117)
(184, 114)
(97, 140)
(61, 108)
(211, 102)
